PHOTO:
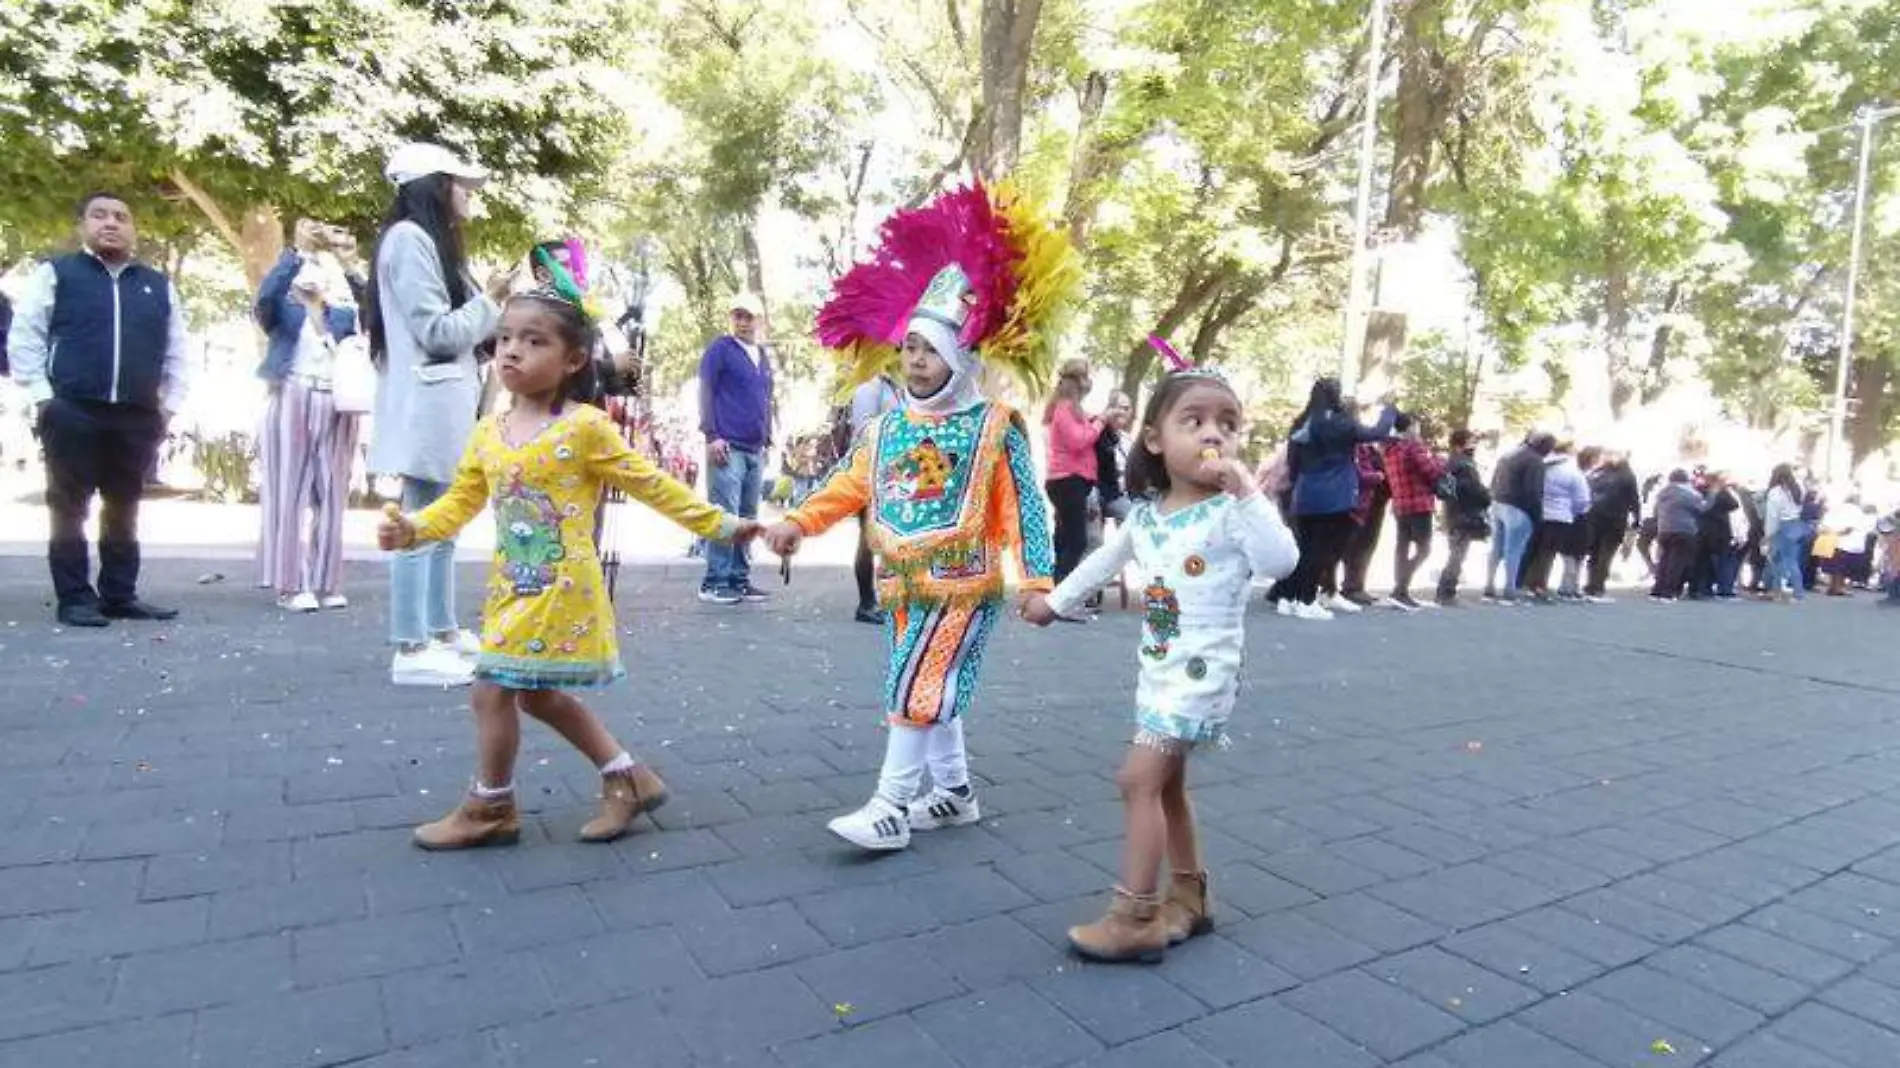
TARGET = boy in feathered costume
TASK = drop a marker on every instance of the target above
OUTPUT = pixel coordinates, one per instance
(951, 490)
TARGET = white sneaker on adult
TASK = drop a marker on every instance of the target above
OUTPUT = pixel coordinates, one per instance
(1600, 599)
(466, 644)
(334, 601)
(301, 601)
(1338, 604)
(1286, 607)
(942, 808)
(1315, 612)
(431, 665)
(879, 826)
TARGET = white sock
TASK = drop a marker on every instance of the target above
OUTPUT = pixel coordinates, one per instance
(621, 763)
(904, 757)
(491, 793)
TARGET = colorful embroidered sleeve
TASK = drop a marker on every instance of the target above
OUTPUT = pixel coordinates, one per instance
(1020, 514)
(466, 497)
(845, 493)
(1096, 570)
(611, 460)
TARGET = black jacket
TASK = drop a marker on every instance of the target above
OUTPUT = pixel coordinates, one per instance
(1468, 512)
(1616, 501)
(1519, 481)
(1109, 484)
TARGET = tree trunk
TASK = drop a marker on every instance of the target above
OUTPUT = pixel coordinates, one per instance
(1200, 286)
(1616, 316)
(256, 238)
(1870, 384)
(1009, 35)
(1419, 116)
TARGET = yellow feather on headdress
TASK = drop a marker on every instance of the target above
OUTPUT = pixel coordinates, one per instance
(1049, 275)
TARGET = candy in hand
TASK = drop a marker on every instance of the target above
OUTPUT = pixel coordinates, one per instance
(1210, 454)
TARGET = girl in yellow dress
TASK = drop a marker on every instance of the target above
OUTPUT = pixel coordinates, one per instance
(548, 626)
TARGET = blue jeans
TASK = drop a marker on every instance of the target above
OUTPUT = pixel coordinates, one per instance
(734, 487)
(422, 579)
(1510, 536)
(1785, 553)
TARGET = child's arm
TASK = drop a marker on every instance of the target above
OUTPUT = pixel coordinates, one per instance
(1254, 522)
(466, 496)
(1095, 571)
(1019, 514)
(614, 462)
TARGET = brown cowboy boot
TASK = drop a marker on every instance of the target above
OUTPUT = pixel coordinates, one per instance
(1189, 909)
(1131, 931)
(477, 821)
(623, 797)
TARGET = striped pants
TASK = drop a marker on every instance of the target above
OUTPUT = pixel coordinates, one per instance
(306, 450)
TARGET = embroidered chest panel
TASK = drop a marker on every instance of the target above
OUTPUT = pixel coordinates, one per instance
(928, 475)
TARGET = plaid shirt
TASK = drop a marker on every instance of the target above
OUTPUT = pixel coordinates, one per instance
(1411, 470)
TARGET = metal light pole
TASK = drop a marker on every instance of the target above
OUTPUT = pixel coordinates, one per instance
(1866, 120)
(1355, 342)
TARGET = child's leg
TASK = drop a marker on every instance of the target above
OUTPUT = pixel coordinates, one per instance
(497, 737)
(1143, 779)
(949, 761)
(628, 788)
(906, 754)
(571, 720)
(1184, 839)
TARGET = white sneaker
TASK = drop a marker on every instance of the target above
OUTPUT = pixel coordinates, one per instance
(334, 600)
(466, 644)
(1600, 599)
(941, 808)
(1285, 607)
(1315, 612)
(879, 826)
(1338, 604)
(431, 665)
(302, 601)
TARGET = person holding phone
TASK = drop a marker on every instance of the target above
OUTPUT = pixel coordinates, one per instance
(425, 316)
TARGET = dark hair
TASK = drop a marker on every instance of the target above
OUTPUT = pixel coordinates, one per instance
(85, 202)
(1783, 476)
(1403, 422)
(579, 334)
(1322, 399)
(1588, 457)
(426, 202)
(1679, 476)
(1147, 475)
(1462, 438)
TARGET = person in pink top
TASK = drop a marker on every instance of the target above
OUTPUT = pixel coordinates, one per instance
(1072, 471)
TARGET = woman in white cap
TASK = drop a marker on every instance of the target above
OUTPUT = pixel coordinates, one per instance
(424, 316)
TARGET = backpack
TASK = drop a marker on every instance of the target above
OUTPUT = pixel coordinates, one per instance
(1446, 488)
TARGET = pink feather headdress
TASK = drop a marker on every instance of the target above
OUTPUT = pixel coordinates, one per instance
(1021, 272)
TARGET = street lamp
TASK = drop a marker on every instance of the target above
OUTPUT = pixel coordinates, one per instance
(1867, 119)
(1355, 341)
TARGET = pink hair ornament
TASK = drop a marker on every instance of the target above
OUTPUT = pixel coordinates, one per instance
(1174, 360)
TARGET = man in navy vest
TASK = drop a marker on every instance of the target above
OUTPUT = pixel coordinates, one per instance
(98, 343)
(735, 415)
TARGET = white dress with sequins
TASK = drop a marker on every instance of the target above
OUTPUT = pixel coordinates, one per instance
(1193, 569)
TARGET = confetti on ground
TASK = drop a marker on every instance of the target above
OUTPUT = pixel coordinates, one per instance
(1662, 1046)
(1474, 746)
(844, 1008)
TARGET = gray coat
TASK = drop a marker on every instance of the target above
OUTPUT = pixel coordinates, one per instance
(425, 411)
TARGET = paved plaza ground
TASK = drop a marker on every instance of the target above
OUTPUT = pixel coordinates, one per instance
(1490, 838)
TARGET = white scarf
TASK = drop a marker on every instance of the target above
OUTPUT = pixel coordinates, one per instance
(964, 390)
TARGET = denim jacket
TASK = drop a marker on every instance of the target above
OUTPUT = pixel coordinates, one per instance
(282, 316)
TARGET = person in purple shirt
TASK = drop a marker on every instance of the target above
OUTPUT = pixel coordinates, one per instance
(735, 415)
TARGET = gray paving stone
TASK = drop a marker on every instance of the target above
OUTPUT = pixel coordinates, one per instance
(93, 934)
(304, 903)
(1319, 870)
(1221, 974)
(880, 1044)
(746, 940)
(1847, 1039)
(1008, 1026)
(737, 1016)
(1767, 1051)
(617, 965)
(57, 887)
(1678, 1002)
(229, 868)
(1877, 1003)
(526, 920)
(1171, 1048)
(855, 916)
(1819, 932)
(1254, 891)
(1586, 938)
(1241, 1035)
(160, 1043)
(1117, 1004)
(469, 995)
(1368, 920)
(655, 900)
(462, 1051)
(1515, 955)
(1053, 876)
(145, 838)
(59, 998)
(989, 952)
(1762, 990)
(1776, 954)
(1380, 1016)
(1506, 1044)
(878, 980)
(332, 1025)
(962, 895)
(1454, 984)
(1611, 1033)
(1646, 919)
(212, 974)
(365, 948)
(1298, 945)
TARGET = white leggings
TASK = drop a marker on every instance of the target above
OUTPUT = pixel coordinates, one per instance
(910, 750)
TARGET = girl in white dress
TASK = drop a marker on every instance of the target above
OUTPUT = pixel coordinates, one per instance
(1200, 535)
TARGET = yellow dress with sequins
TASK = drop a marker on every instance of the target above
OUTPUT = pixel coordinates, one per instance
(547, 622)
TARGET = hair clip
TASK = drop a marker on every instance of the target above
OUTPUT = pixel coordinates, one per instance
(1178, 364)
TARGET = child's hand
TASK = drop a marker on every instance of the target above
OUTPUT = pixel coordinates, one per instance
(1035, 609)
(784, 538)
(745, 532)
(395, 531)
(1236, 479)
